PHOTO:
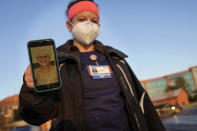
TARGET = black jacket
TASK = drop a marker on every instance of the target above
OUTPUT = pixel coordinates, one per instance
(66, 106)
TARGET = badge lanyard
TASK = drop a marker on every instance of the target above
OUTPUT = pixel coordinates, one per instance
(98, 71)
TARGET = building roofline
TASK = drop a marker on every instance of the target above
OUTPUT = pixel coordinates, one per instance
(167, 95)
(178, 73)
(168, 75)
(193, 67)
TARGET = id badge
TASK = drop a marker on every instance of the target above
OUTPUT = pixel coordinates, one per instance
(99, 71)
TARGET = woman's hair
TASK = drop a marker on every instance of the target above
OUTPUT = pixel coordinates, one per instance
(74, 2)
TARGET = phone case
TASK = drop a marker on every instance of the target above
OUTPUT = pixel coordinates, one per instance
(56, 62)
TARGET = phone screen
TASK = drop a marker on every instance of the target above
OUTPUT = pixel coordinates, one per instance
(44, 65)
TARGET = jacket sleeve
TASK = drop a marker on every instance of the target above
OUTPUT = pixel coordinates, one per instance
(36, 108)
(154, 122)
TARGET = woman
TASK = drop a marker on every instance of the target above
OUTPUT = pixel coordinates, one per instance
(46, 73)
(110, 99)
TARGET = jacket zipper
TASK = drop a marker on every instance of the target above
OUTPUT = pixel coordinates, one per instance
(142, 98)
(126, 79)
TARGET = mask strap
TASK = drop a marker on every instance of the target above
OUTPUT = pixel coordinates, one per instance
(71, 23)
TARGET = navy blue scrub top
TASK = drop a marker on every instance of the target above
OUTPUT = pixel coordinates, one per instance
(104, 106)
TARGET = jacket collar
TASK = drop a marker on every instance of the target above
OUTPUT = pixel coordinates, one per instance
(66, 52)
(69, 51)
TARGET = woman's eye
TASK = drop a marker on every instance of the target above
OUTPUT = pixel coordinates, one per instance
(95, 21)
(81, 19)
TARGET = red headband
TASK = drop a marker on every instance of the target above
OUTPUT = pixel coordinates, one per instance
(82, 6)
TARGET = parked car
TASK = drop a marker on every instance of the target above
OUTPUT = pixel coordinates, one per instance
(166, 110)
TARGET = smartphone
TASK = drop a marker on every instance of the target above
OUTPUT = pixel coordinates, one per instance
(44, 65)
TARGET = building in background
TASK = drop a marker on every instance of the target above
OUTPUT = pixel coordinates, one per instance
(158, 85)
(175, 97)
(8, 108)
(9, 103)
(10, 119)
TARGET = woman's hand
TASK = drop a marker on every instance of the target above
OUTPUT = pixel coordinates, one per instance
(28, 77)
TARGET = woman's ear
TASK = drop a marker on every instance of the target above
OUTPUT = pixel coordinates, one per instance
(69, 26)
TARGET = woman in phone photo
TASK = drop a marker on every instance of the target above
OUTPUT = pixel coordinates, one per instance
(46, 72)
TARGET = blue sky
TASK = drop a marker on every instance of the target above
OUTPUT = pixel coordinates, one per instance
(159, 36)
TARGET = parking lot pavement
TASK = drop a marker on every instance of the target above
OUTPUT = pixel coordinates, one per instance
(185, 121)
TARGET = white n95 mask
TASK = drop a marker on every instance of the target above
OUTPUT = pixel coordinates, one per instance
(85, 32)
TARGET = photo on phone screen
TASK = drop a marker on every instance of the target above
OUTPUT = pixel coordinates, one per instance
(44, 65)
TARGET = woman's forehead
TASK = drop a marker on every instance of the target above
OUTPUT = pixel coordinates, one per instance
(86, 14)
(43, 54)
